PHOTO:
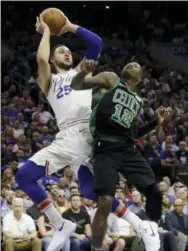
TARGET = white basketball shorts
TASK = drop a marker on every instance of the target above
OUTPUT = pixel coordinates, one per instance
(72, 146)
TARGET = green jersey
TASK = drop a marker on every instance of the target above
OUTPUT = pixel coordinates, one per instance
(114, 116)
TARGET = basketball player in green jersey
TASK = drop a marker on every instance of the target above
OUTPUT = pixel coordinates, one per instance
(114, 126)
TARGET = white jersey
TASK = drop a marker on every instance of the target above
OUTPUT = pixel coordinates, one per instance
(69, 106)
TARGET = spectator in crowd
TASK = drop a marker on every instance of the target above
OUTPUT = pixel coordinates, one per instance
(155, 144)
(166, 205)
(182, 193)
(19, 229)
(169, 140)
(8, 177)
(167, 180)
(17, 130)
(45, 135)
(74, 190)
(6, 203)
(88, 206)
(164, 188)
(177, 222)
(120, 194)
(52, 127)
(69, 176)
(4, 189)
(81, 239)
(61, 203)
(137, 202)
(36, 143)
(20, 119)
(182, 154)
(169, 160)
(177, 185)
(54, 189)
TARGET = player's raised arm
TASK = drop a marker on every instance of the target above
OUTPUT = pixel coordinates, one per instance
(84, 79)
(93, 42)
(43, 55)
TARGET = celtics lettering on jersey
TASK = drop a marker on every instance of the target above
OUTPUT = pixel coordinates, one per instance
(127, 107)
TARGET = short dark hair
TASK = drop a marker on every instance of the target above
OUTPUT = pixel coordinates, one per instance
(54, 184)
(74, 187)
(132, 71)
(119, 188)
(54, 48)
(74, 195)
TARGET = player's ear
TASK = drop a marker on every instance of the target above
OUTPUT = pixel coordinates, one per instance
(52, 60)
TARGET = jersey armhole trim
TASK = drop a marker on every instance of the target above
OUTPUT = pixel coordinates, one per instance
(50, 85)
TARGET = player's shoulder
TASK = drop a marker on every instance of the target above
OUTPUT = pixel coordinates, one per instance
(110, 77)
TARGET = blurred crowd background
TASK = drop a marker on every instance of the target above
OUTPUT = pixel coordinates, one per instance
(153, 34)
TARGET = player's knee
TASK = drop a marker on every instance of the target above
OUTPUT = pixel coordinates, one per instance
(105, 204)
(23, 175)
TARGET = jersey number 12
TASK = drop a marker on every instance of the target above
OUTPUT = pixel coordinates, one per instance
(122, 116)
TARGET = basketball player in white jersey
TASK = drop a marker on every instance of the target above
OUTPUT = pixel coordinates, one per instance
(72, 110)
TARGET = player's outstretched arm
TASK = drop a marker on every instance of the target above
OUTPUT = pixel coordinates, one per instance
(161, 114)
(43, 55)
(84, 79)
(93, 42)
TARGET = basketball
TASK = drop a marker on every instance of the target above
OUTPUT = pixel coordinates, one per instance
(55, 19)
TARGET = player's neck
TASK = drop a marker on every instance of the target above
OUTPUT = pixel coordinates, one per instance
(131, 87)
(60, 70)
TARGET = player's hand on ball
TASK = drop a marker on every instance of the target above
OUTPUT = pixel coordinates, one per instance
(161, 113)
(66, 28)
(88, 65)
(41, 26)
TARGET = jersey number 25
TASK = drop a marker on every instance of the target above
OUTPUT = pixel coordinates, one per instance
(65, 90)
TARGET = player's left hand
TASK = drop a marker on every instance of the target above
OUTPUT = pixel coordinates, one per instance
(161, 114)
(40, 25)
(88, 65)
